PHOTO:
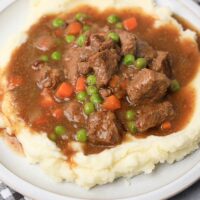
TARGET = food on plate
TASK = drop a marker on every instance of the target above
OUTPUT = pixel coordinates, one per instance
(97, 92)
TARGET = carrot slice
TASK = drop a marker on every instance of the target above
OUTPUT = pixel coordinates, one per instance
(65, 90)
(80, 84)
(15, 81)
(130, 23)
(124, 84)
(59, 32)
(58, 113)
(114, 81)
(41, 121)
(47, 101)
(166, 125)
(112, 103)
(74, 28)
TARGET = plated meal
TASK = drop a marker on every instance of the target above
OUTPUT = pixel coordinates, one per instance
(95, 91)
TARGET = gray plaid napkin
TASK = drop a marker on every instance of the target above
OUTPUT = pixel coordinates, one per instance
(9, 194)
(192, 193)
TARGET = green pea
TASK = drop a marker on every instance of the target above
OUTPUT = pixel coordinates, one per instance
(81, 17)
(81, 96)
(60, 130)
(86, 28)
(91, 80)
(140, 63)
(175, 86)
(114, 36)
(56, 55)
(58, 22)
(70, 38)
(81, 40)
(44, 58)
(129, 59)
(132, 127)
(89, 108)
(113, 19)
(130, 115)
(81, 135)
(96, 99)
(92, 90)
(52, 137)
(119, 25)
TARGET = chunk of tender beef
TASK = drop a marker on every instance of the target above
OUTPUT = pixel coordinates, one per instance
(128, 42)
(103, 128)
(44, 43)
(147, 86)
(144, 50)
(104, 65)
(105, 92)
(84, 67)
(161, 63)
(153, 115)
(128, 72)
(48, 77)
(70, 61)
(73, 111)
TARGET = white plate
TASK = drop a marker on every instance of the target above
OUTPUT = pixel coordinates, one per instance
(29, 180)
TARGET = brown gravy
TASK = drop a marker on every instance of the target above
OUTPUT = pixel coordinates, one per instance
(184, 56)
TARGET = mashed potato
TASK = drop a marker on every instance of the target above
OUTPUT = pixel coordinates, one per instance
(128, 159)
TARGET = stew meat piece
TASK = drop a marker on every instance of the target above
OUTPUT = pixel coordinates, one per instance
(161, 63)
(48, 77)
(105, 65)
(152, 115)
(147, 86)
(128, 42)
(73, 111)
(71, 59)
(144, 50)
(45, 42)
(103, 128)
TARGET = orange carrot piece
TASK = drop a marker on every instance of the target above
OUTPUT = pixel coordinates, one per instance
(15, 81)
(41, 121)
(80, 84)
(47, 101)
(130, 23)
(74, 28)
(114, 81)
(166, 125)
(65, 90)
(58, 113)
(124, 84)
(59, 32)
(112, 103)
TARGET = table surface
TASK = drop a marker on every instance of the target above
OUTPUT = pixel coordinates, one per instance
(6, 193)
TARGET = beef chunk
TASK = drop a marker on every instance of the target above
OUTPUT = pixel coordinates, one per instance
(147, 85)
(84, 67)
(104, 65)
(105, 92)
(153, 115)
(102, 129)
(48, 77)
(44, 42)
(161, 63)
(128, 42)
(144, 50)
(73, 111)
(70, 60)
(128, 72)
